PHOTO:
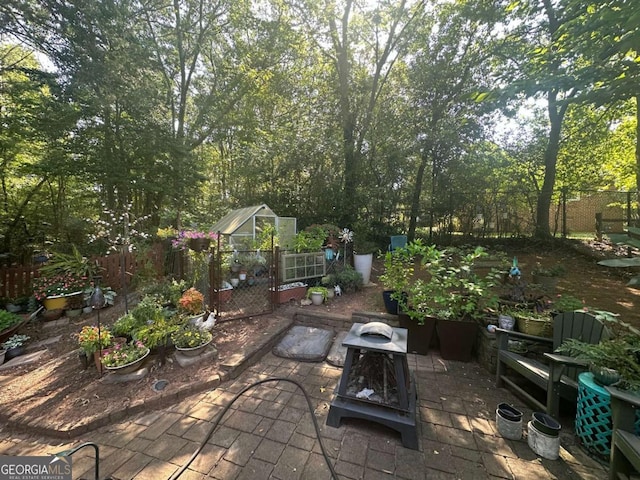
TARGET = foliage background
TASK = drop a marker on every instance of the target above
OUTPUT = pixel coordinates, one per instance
(362, 114)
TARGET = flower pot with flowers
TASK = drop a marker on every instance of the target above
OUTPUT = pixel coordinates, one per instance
(196, 240)
(191, 303)
(93, 341)
(54, 290)
(125, 357)
(191, 341)
(14, 346)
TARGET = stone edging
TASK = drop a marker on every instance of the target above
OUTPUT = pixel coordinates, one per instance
(228, 371)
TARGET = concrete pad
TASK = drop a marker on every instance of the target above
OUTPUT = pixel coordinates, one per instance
(45, 342)
(114, 378)
(308, 344)
(210, 353)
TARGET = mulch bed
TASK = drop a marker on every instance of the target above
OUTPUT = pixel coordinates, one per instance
(56, 396)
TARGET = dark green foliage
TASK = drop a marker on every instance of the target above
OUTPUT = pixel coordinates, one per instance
(621, 354)
(8, 320)
(348, 279)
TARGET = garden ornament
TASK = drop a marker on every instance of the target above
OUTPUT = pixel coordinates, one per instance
(514, 271)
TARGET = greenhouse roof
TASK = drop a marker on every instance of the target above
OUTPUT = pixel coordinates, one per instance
(233, 220)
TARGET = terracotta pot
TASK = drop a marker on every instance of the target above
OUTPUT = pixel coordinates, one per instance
(97, 359)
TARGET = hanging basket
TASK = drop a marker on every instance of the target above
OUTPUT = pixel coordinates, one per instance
(199, 244)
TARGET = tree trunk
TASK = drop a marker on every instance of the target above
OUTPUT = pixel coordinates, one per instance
(415, 198)
(556, 115)
(638, 147)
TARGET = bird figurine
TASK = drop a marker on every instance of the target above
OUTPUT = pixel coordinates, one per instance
(205, 325)
(514, 271)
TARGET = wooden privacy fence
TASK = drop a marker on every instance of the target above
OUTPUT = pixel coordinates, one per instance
(16, 281)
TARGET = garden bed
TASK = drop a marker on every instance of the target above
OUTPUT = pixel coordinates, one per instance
(55, 396)
(58, 393)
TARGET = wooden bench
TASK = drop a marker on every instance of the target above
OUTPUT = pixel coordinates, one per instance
(625, 445)
(558, 374)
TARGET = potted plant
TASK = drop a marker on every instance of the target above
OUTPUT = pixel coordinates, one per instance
(318, 294)
(93, 341)
(157, 324)
(449, 289)
(63, 275)
(90, 340)
(462, 299)
(125, 357)
(566, 303)
(191, 302)
(363, 250)
(532, 322)
(196, 240)
(126, 325)
(310, 239)
(329, 282)
(610, 361)
(74, 263)
(16, 305)
(14, 346)
(53, 290)
(190, 340)
(399, 267)
(416, 309)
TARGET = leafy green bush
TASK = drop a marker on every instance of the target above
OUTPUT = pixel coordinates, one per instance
(8, 320)
(126, 325)
(348, 279)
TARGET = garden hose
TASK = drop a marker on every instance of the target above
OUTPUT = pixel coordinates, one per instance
(334, 475)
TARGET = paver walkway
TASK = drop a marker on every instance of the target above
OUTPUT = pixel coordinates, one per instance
(268, 433)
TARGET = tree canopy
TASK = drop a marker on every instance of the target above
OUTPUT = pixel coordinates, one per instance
(364, 114)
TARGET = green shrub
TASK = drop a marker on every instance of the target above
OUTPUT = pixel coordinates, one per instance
(348, 279)
(8, 319)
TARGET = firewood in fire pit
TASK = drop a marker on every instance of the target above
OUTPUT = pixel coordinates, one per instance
(374, 370)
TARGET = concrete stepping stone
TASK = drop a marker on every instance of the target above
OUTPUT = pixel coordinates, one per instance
(307, 344)
(338, 353)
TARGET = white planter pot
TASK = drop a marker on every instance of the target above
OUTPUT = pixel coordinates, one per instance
(362, 265)
(317, 298)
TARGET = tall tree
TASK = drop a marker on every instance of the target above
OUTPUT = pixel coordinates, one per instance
(363, 42)
(450, 67)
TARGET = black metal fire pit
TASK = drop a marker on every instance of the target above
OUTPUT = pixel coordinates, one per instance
(376, 383)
